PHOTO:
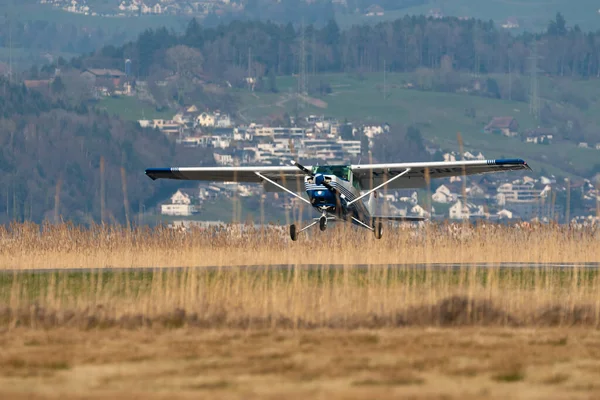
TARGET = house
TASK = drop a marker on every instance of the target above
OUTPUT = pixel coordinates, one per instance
(539, 135)
(597, 146)
(443, 195)
(223, 158)
(504, 214)
(421, 212)
(510, 23)
(206, 119)
(506, 126)
(512, 192)
(469, 156)
(539, 139)
(583, 145)
(168, 127)
(39, 84)
(181, 204)
(435, 13)
(475, 191)
(95, 75)
(465, 211)
(223, 121)
(374, 10)
(372, 131)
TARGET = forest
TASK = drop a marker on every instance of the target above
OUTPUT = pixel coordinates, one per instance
(51, 154)
(402, 45)
(54, 143)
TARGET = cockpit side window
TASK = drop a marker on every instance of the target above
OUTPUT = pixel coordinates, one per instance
(341, 171)
(355, 181)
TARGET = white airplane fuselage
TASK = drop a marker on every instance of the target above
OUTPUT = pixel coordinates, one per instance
(325, 201)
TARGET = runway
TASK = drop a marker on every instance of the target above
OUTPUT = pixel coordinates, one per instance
(316, 267)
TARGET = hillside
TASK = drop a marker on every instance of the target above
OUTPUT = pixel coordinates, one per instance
(439, 116)
(532, 15)
(51, 156)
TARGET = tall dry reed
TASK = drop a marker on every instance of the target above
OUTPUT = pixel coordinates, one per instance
(31, 246)
(304, 297)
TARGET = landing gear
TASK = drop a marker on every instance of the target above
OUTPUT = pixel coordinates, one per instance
(293, 232)
(323, 223)
(378, 230)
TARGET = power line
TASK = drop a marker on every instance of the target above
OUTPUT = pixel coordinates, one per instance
(534, 105)
(384, 81)
(303, 62)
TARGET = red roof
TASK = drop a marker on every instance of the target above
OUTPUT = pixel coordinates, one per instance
(500, 122)
(29, 84)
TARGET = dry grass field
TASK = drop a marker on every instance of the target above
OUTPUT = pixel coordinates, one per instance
(216, 328)
(30, 246)
(431, 363)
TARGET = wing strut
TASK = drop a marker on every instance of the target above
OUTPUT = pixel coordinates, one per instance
(380, 186)
(282, 187)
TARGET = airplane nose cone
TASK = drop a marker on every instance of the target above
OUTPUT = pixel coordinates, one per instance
(319, 179)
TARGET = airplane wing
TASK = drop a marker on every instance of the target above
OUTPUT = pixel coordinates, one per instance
(397, 218)
(290, 177)
(372, 175)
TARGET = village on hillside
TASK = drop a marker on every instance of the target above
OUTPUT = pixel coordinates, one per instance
(322, 139)
(498, 197)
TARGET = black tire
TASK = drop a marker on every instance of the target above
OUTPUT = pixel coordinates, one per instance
(322, 223)
(293, 232)
(378, 230)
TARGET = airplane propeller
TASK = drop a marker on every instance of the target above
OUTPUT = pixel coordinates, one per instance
(319, 179)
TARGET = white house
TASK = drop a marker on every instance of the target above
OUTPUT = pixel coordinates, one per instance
(206, 119)
(443, 195)
(504, 214)
(449, 157)
(223, 159)
(420, 211)
(223, 121)
(465, 211)
(475, 191)
(510, 23)
(182, 197)
(372, 131)
(181, 204)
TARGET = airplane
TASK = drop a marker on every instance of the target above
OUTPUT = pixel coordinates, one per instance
(338, 192)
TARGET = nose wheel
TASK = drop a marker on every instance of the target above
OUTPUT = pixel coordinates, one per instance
(323, 223)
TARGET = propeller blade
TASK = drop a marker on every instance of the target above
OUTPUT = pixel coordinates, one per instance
(311, 174)
(303, 168)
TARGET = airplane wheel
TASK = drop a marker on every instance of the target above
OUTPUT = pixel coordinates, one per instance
(378, 230)
(323, 223)
(293, 232)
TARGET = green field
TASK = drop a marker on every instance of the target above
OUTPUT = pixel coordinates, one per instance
(440, 116)
(533, 15)
(130, 26)
(131, 109)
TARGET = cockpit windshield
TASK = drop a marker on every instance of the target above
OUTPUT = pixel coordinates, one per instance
(341, 171)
